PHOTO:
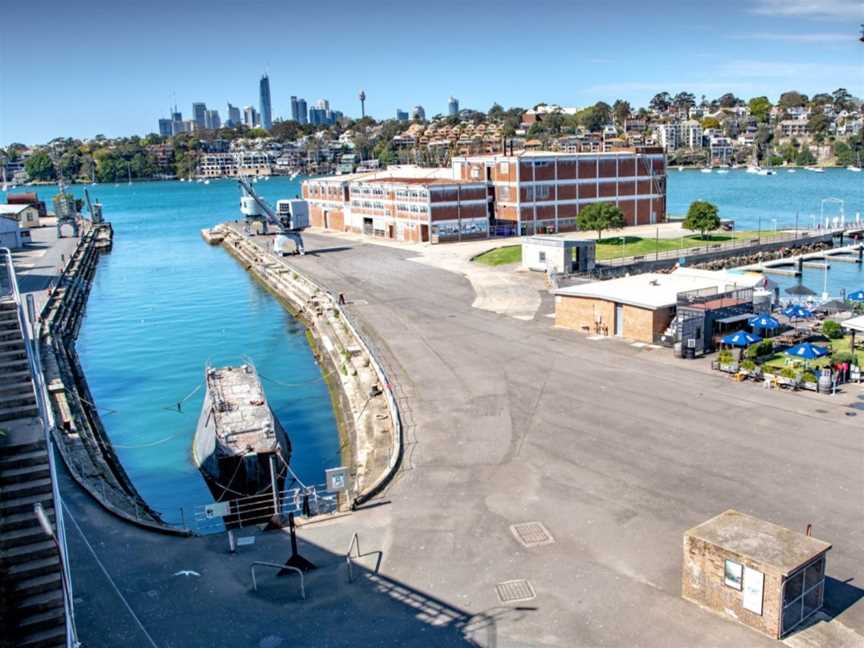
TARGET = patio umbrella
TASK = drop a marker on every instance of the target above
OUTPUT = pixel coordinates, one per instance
(797, 311)
(764, 321)
(807, 351)
(800, 290)
(858, 296)
(741, 339)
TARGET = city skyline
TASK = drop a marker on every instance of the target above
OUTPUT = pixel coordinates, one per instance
(753, 47)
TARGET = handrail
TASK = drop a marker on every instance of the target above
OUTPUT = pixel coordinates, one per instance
(261, 563)
(355, 542)
(34, 361)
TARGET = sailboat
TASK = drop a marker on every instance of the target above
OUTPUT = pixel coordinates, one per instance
(5, 184)
(855, 168)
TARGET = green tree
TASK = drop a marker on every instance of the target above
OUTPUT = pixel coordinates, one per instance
(386, 156)
(600, 217)
(760, 108)
(843, 154)
(710, 122)
(792, 99)
(660, 102)
(805, 157)
(818, 126)
(701, 217)
(621, 110)
(40, 167)
(684, 100)
(496, 112)
(842, 99)
(728, 100)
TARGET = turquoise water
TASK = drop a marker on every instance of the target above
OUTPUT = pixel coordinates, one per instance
(164, 304)
(750, 199)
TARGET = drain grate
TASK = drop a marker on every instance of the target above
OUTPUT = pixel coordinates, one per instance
(531, 534)
(515, 590)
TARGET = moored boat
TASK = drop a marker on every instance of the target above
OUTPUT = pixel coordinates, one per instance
(239, 446)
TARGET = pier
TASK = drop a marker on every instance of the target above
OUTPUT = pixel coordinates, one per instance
(792, 266)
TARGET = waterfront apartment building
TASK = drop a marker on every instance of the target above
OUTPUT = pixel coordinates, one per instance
(533, 192)
(236, 163)
(264, 106)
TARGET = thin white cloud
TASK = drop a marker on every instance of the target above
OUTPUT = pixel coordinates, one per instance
(783, 70)
(809, 8)
(813, 38)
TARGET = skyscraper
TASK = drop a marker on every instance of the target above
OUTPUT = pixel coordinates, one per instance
(401, 115)
(264, 103)
(453, 106)
(213, 119)
(302, 113)
(199, 115)
(295, 109)
(418, 114)
(165, 128)
(250, 117)
(234, 118)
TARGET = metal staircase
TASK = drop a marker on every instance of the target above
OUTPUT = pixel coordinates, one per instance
(34, 611)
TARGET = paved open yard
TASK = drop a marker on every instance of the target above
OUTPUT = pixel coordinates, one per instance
(509, 421)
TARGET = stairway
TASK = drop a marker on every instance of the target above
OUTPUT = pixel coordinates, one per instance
(32, 613)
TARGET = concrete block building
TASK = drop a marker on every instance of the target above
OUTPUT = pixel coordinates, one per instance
(532, 192)
(639, 307)
(762, 575)
(556, 254)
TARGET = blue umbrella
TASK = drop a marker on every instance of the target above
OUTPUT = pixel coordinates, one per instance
(858, 295)
(807, 351)
(741, 339)
(797, 311)
(764, 321)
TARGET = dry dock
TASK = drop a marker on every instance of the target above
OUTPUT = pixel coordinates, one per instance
(370, 428)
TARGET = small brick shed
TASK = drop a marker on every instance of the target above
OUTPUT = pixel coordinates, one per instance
(760, 574)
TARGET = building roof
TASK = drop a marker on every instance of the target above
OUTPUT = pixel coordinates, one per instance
(762, 542)
(14, 209)
(854, 324)
(653, 290)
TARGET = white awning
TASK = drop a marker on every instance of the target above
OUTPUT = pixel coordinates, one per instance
(854, 324)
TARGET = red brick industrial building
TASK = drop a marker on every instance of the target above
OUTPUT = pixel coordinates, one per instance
(525, 193)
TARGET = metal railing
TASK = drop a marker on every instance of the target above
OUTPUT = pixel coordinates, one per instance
(691, 250)
(355, 542)
(26, 322)
(261, 563)
(251, 510)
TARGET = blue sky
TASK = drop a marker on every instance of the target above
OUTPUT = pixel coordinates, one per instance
(92, 66)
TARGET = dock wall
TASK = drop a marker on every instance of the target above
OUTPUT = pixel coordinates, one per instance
(78, 433)
(366, 410)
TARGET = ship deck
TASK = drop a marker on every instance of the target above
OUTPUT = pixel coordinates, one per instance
(244, 421)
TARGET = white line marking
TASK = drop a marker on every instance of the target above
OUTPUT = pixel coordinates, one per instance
(108, 576)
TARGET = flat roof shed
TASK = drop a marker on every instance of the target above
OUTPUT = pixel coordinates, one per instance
(758, 573)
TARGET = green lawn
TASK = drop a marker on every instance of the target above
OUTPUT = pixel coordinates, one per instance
(501, 256)
(613, 247)
(780, 360)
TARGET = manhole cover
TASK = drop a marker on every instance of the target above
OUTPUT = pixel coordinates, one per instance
(531, 534)
(515, 590)
(851, 413)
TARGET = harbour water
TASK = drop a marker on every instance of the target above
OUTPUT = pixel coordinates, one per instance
(164, 304)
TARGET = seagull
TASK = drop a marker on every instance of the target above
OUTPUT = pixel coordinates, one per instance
(187, 572)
